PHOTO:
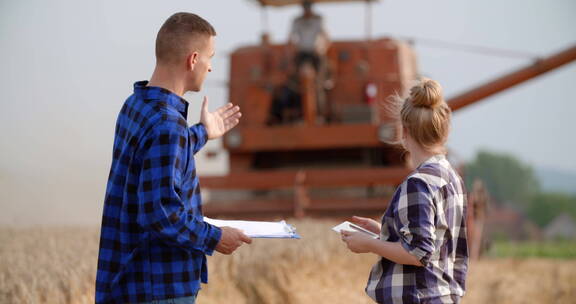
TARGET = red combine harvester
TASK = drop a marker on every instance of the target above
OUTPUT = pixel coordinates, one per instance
(304, 148)
(288, 140)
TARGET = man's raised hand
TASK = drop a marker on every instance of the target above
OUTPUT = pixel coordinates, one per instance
(219, 122)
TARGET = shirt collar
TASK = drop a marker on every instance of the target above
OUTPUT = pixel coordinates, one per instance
(142, 90)
(433, 159)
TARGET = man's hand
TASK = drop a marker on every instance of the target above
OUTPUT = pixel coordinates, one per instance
(219, 122)
(357, 242)
(367, 223)
(231, 239)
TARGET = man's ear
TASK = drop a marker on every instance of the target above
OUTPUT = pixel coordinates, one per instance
(192, 60)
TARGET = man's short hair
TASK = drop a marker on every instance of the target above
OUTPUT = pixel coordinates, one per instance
(177, 33)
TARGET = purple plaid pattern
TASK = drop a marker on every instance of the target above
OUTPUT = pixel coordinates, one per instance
(153, 238)
(427, 215)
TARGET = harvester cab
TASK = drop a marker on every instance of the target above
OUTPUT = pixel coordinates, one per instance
(316, 108)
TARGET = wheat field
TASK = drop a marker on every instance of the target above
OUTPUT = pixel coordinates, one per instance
(58, 265)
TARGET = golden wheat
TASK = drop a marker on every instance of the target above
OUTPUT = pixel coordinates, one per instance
(58, 265)
(48, 265)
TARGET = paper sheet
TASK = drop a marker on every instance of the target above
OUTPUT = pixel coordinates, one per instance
(258, 229)
(347, 226)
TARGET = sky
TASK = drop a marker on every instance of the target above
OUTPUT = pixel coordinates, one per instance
(67, 66)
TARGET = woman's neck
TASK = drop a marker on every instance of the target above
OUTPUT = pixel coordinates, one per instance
(420, 155)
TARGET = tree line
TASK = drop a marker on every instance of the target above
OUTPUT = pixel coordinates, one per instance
(512, 183)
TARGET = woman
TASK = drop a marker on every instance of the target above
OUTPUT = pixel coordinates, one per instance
(422, 244)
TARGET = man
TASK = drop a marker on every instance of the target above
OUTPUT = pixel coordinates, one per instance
(153, 240)
(309, 37)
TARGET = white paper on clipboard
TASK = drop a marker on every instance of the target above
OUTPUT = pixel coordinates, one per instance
(257, 229)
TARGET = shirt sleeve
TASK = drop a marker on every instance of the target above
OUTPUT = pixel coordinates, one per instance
(414, 219)
(199, 131)
(160, 207)
(293, 36)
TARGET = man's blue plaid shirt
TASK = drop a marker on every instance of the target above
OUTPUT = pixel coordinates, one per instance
(153, 239)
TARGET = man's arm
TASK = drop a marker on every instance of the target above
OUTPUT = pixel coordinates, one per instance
(324, 38)
(293, 35)
(200, 137)
(161, 209)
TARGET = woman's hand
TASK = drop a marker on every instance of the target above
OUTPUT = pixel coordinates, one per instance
(357, 242)
(367, 223)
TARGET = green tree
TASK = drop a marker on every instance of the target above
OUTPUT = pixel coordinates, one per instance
(544, 207)
(506, 178)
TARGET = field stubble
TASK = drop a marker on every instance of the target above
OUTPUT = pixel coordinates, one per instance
(58, 265)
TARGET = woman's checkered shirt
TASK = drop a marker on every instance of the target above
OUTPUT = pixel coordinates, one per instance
(427, 215)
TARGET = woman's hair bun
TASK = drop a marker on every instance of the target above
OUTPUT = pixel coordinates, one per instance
(427, 93)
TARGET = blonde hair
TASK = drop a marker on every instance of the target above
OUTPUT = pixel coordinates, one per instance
(425, 114)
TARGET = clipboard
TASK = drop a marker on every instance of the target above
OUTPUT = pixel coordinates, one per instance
(259, 229)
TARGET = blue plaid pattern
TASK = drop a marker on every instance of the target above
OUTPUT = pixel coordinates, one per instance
(153, 238)
(427, 215)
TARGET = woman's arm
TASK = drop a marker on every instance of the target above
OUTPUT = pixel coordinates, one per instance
(359, 243)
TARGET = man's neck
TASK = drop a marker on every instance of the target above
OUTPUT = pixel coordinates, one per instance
(163, 77)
